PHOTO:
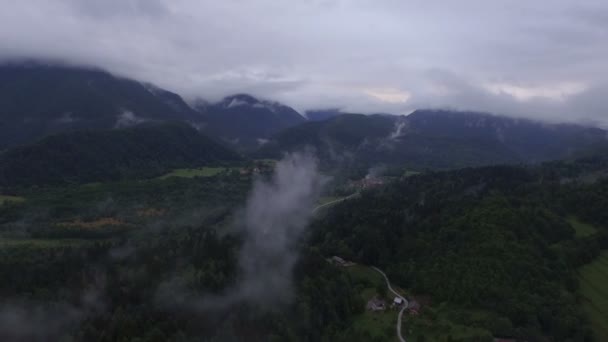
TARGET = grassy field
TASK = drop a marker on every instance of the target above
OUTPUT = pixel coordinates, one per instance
(374, 324)
(327, 199)
(594, 289)
(191, 173)
(41, 243)
(365, 275)
(409, 173)
(442, 322)
(581, 229)
(440, 329)
(6, 199)
(266, 161)
(377, 324)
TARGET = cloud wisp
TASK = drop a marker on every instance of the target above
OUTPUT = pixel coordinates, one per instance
(276, 215)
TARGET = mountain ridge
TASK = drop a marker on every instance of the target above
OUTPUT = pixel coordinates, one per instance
(142, 151)
(246, 121)
(435, 139)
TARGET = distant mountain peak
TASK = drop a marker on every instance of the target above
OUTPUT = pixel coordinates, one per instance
(246, 100)
(243, 119)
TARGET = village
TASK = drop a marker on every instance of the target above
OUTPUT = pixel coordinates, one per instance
(379, 303)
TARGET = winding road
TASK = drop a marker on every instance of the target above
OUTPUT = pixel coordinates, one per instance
(405, 303)
(314, 211)
(388, 283)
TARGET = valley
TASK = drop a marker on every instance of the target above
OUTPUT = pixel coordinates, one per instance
(190, 220)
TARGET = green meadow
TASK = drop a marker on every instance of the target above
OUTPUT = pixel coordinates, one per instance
(594, 290)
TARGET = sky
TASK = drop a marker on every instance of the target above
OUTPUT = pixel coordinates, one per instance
(544, 59)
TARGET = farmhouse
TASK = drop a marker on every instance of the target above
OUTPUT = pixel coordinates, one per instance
(376, 304)
(367, 183)
(413, 307)
(338, 261)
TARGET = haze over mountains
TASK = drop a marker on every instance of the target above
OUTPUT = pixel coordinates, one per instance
(435, 139)
(246, 121)
(38, 99)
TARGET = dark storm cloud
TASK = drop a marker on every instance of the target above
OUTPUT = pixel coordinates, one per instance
(544, 59)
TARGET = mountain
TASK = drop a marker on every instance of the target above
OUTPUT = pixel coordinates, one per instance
(322, 114)
(434, 139)
(246, 121)
(146, 150)
(530, 140)
(38, 99)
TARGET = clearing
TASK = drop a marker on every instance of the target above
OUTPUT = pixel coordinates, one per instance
(409, 173)
(7, 199)
(581, 229)
(191, 173)
(94, 224)
(375, 325)
(41, 243)
(594, 289)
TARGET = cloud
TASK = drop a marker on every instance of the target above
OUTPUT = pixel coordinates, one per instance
(127, 119)
(37, 322)
(276, 215)
(535, 58)
(29, 320)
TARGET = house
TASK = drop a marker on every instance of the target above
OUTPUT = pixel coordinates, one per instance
(370, 182)
(398, 301)
(338, 261)
(413, 307)
(376, 304)
(367, 183)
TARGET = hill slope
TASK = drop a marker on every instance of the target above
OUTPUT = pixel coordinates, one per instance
(434, 139)
(37, 100)
(87, 156)
(493, 247)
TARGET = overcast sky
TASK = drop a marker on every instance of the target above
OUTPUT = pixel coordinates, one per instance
(543, 59)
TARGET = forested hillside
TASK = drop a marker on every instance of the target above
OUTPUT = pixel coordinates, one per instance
(434, 140)
(38, 98)
(246, 122)
(132, 260)
(143, 151)
(499, 240)
(493, 249)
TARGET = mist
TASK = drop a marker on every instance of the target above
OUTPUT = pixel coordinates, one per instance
(275, 217)
(32, 320)
(21, 321)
